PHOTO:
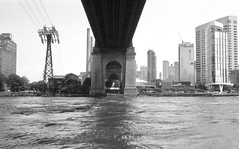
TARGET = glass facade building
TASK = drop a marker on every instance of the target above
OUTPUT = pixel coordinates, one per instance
(212, 57)
(230, 26)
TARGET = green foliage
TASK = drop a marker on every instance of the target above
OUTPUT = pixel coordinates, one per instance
(39, 86)
(71, 79)
(201, 86)
(108, 83)
(25, 81)
(71, 84)
(227, 88)
(15, 83)
(85, 89)
(87, 82)
(236, 87)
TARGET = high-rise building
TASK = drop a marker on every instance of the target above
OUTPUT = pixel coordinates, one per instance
(186, 62)
(176, 72)
(230, 26)
(212, 53)
(89, 49)
(143, 73)
(171, 72)
(8, 54)
(152, 66)
(160, 76)
(165, 70)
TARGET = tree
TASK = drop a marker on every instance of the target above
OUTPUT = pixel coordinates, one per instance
(71, 83)
(71, 79)
(39, 86)
(33, 86)
(2, 82)
(25, 82)
(87, 82)
(108, 83)
(227, 88)
(236, 87)
(201, 86)
(85, 89)
(14, 82)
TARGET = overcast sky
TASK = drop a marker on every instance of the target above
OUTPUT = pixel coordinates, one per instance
(158, 29)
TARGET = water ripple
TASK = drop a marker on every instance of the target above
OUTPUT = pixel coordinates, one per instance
(119, 122)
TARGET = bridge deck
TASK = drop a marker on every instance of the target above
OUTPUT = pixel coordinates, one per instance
(113, 22)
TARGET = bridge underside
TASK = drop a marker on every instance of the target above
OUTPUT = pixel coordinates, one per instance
(113, 23)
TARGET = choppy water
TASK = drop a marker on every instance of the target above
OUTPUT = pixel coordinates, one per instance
(120, 122)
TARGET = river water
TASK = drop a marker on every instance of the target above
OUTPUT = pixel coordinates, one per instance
(119, 122)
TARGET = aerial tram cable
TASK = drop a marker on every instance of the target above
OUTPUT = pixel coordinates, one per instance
(45, 12)
(28, 14)
(33, 12)
(48, 35)
(39, 11)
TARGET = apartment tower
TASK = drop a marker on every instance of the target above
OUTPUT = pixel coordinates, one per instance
(89, 49)
(212, 57)
(143, 73)
(176, 71)
(186, 62)
(165, 70)
(230, 26)
(152, 66)
(8, 54)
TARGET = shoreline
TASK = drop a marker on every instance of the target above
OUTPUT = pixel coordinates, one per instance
(190, 94)
(9, 94)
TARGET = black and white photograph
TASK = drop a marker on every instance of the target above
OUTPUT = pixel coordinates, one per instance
(119, 74)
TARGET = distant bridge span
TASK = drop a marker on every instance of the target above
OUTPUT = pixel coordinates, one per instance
(113, 23)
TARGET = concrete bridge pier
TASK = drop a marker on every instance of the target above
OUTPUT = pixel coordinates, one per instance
(113, 64)
(113, 23)
(97, 85)
(130, 74)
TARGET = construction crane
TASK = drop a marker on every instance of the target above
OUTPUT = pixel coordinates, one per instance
(180, 36)
(48, 35)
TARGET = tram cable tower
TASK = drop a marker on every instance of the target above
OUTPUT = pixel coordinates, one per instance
(48, 35)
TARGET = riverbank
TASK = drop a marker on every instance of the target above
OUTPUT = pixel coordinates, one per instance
(30, 94)
(188, 94)
(5, 94)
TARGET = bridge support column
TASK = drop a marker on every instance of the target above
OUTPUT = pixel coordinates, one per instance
(130, 73)
(97, 84)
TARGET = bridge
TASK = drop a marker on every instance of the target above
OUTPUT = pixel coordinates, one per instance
(113, 23)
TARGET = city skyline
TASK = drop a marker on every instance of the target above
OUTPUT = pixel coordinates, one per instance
(159, 24)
